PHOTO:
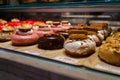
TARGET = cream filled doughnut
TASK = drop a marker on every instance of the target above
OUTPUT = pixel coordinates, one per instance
(2, 21)
(24, 36)
(79, 48)
(56, 26)
(6, 32)
(66, 24)
(43, 29)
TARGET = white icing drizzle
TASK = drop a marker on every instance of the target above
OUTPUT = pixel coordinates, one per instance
(94, 38)
(73, 46)
(91, 44)
(106, 33)
(101, 35)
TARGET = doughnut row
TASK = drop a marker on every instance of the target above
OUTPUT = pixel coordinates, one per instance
(28, 32)
(84, 39)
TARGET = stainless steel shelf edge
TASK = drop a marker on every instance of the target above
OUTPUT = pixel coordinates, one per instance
(56, 67)
(115, 8)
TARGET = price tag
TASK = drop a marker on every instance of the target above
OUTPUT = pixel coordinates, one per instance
(108, 68)
(66, 59)
(33, 52)
(10, 47)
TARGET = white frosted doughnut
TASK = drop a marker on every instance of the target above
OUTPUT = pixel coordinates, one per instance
(80, 48)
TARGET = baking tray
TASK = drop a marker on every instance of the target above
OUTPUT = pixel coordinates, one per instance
(92, 61)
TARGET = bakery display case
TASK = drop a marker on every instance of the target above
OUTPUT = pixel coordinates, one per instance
(49, 50)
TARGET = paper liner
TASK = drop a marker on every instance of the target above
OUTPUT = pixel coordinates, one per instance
(92, 61)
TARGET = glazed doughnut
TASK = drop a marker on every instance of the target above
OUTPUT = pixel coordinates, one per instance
(75, 31)
(15, 20)
(2, 21)
(43, 29)
(103, 28)
(66, 24)
(64, 33)
(81, 26)
(24, 36)
(77, 36)
(109, 51)
(57, 26)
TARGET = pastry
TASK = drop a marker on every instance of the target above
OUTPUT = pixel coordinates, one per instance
(79, 45)
(56, 26)
(51, 41)
(79, 48)
(6, 32)
(24, 36)
(15, 20)
(109, 51)
(84, 39)
(66, 24)
(2, 21)
(94, 36)
(43, 29)
(64, 33)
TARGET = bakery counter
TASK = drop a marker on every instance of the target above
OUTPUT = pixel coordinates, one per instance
(31, 67)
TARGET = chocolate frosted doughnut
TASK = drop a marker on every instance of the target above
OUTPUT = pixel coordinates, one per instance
(51, 41)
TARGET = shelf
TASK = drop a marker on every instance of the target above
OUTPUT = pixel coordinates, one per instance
(56, 67)
(91, 6)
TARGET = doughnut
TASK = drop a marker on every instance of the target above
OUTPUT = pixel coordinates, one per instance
(83, 40)
(66, 24)
(109, 51)
(6, 32)
(2, 21)
(43, 29)
(15, 20)
(51, 41)
(57, 26)
(79, 48)
(93, 36)
(24, 36)
(64, 33)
